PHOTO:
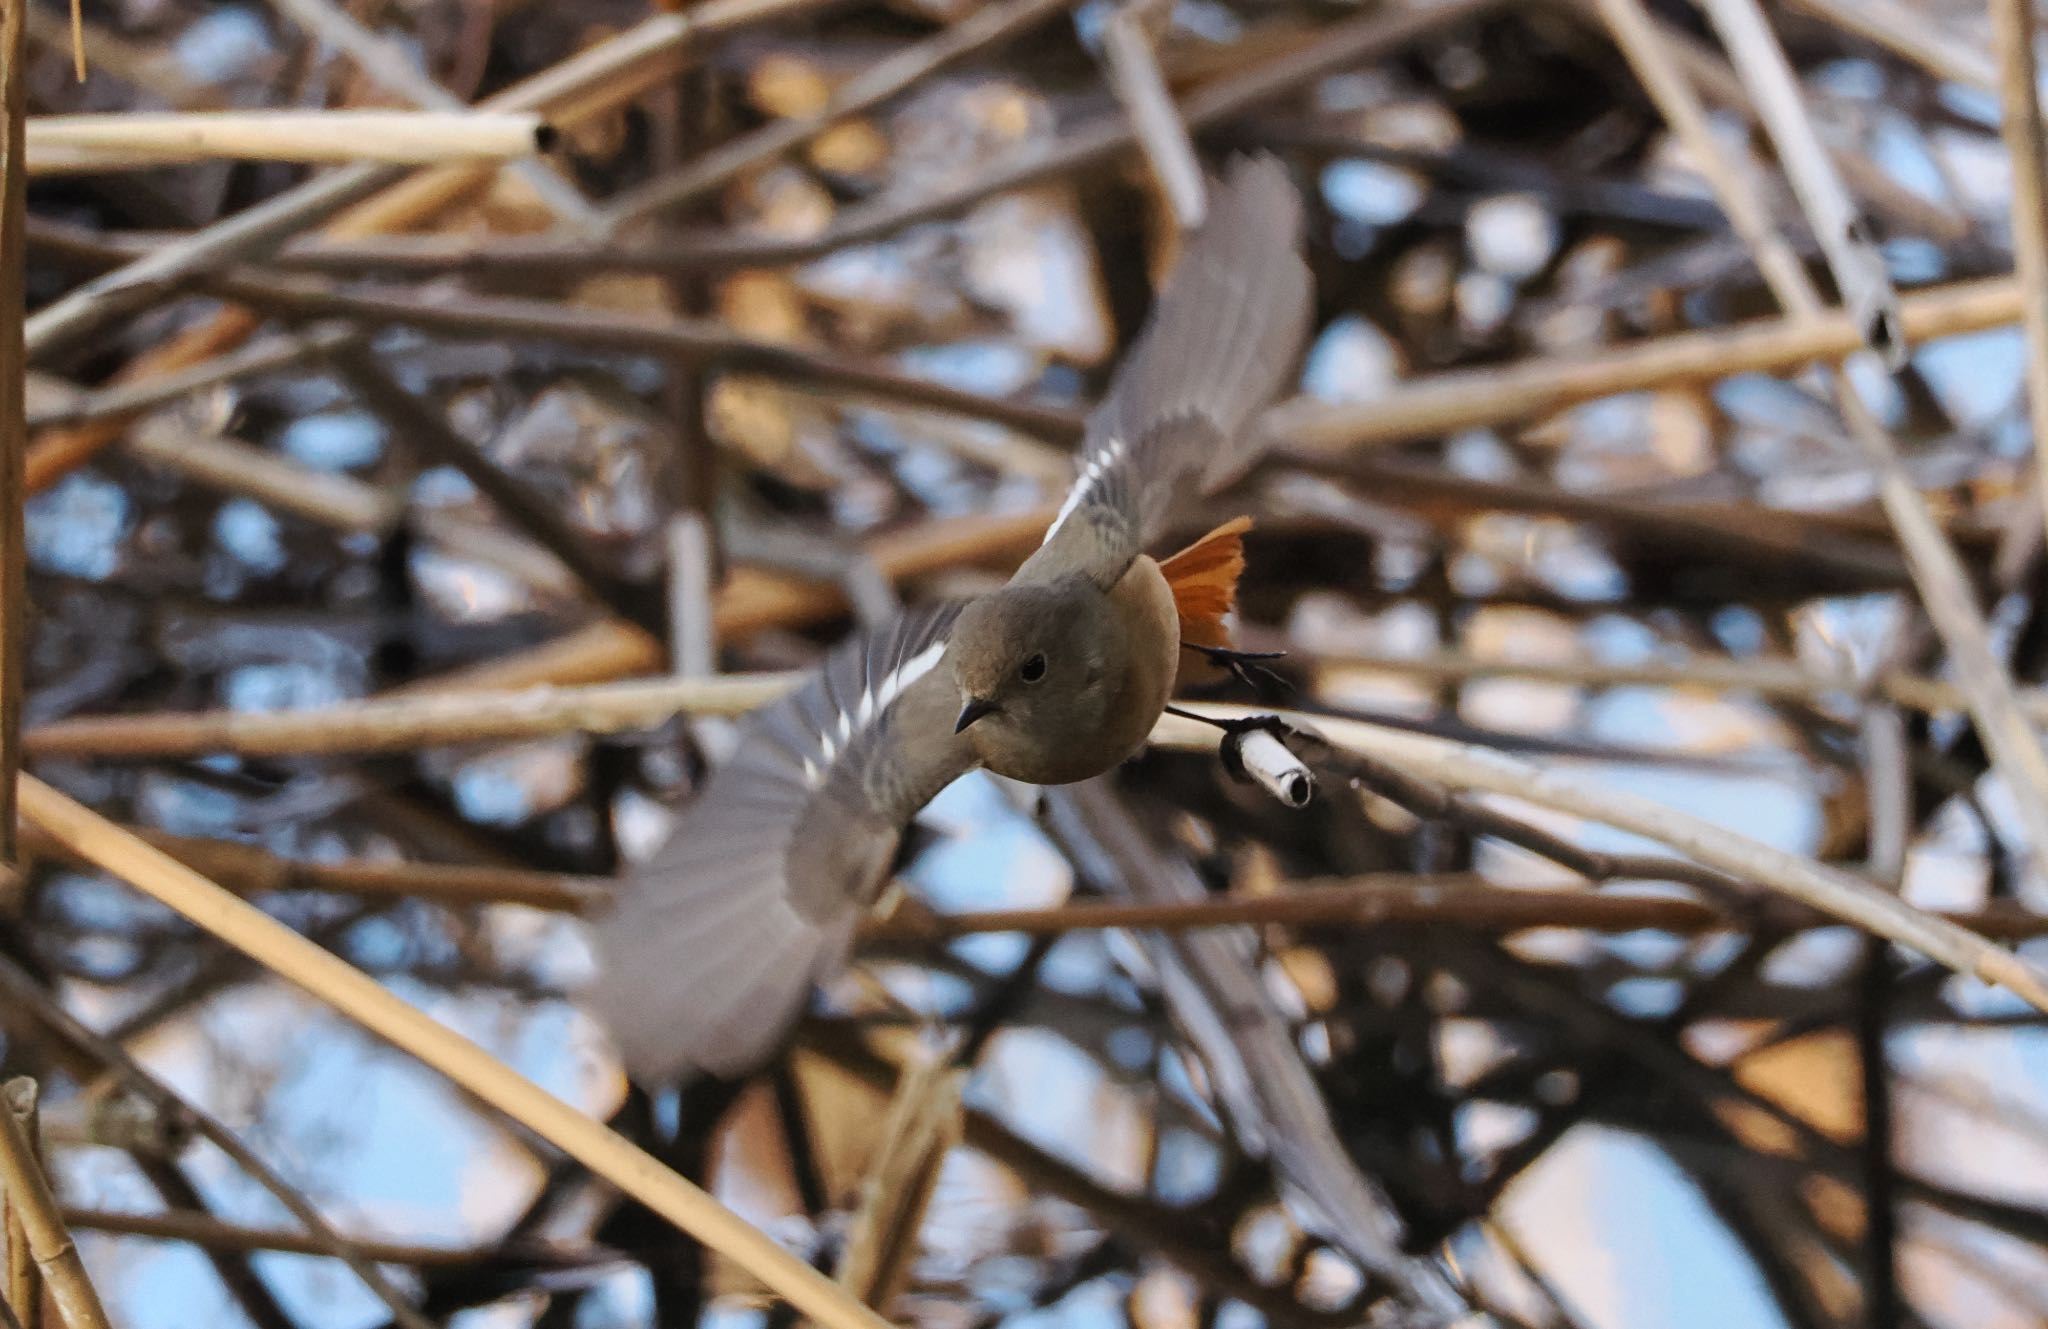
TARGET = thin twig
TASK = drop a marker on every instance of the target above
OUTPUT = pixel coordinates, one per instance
(68, 321)
(212, 1233)
(124, 400)
(1338, 47)
(1397, 900)
(1766, 676)
(579, 89)
(378, 1010)
(29, 1195)
(425, 427)
(1459, 901)
(1907, 211)
(585, 84)
(750, 602)
(1181, 1237)
(103, 1052)
(339, 501)
(1832, 892)
(249, 870)
(1911, 35)
(141, 65)
(488, 316)
(1262, 1083)
(982, 30)
(1859, 270)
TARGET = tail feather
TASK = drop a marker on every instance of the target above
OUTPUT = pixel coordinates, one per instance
(1203, 578)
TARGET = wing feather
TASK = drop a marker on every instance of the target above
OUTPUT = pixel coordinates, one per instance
(710, 950)
(1222, 340)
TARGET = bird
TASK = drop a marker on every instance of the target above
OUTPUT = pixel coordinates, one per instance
(707, 956)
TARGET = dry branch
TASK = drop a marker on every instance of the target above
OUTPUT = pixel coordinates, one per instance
(226, 464)
(2026, 144)
(248, 870)
(1911, 34)
(751, 601)
(404, 724)
(79, 406)
(979, 31)
(1469, 903)
(85, 144)
(29, 1197)
(1305, 57)
(99, 1053)
(13, 426)
(1258, 1076)
(599, 78)
(1175, 1234)
(361, 999)
(494, 703)
(1946, 593)
(209, 1232)
(1859, 270)
(1395, 899)
(1832, 892)
(922, 1125)
(502, 317)
(1528, 389)
(1139, 83)
(24, 1287)
(391, 67)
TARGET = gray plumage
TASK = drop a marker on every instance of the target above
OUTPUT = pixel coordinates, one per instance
(1223, 340)
(716, 940)
(712, 947)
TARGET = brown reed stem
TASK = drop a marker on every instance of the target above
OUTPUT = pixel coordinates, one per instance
(29, 1196)
(13, 421)
(24, 1289)
(378, 1010)
(2026, 145)
(1829, 890)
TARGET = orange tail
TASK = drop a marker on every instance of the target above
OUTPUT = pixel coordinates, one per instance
(1204, 581)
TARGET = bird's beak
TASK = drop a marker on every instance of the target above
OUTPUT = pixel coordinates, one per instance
(972, 711)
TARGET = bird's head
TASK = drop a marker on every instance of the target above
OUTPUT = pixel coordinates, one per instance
(1029, 663)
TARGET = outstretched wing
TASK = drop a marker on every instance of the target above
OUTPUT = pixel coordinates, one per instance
(707, 955)
(1226, 332)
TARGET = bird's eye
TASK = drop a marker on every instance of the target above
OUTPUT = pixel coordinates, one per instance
(1033, 669)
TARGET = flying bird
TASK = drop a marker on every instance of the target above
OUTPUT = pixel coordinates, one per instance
(710, 952)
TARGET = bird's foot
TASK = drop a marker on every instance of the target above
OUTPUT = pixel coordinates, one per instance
(1244, 666)
(1254, 750)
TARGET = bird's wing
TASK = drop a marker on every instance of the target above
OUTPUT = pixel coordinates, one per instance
(1223, 337)
(707, 955)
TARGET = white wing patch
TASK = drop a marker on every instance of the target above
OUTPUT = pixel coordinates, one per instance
(874, 701)
(1084, 484)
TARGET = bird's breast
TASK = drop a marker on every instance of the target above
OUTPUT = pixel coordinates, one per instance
(1141, 666)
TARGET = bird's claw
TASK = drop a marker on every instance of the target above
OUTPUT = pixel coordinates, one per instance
(1236, 731)
(1281, 774)
(1243, 666)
